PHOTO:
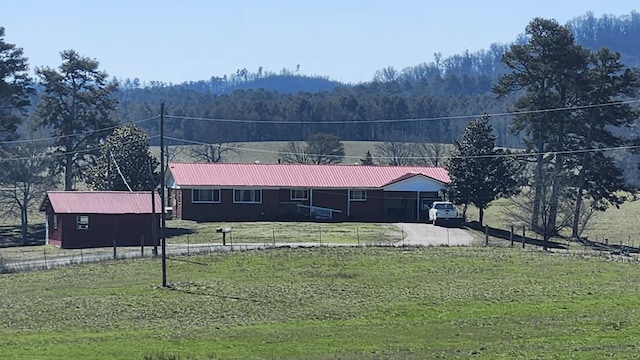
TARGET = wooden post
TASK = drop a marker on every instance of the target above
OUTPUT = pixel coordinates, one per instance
(523, 235)
(511, 235)
(142, 245)
(115, 254)
(486, 235)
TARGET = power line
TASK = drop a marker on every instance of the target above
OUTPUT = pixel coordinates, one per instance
(438, 118)
(51, 138)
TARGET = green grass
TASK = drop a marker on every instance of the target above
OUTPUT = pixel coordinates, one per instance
(183, 231)
(269, 152)
(324, 303)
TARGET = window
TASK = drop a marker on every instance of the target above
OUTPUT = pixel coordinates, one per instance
(250, 196)
(358, 195)
(82, 222)
(55, 222)
(299, 194)
(205, 195)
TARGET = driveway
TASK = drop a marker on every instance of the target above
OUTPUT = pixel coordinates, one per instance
(430, 235)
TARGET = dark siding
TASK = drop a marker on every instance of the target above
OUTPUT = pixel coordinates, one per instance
(127, 229)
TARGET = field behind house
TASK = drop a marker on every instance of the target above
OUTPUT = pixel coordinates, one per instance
(327, 303)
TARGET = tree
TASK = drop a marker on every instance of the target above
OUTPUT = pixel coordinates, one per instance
(124, 163)
(569, 109)
(324, 149)
(320, 149)
(433, 153)
(368, 159)
(598, 178)
(76, 106)
(15, 88)
(479, 172)
(294, 153)
(548, 67)
(396, 153)
(25, 181)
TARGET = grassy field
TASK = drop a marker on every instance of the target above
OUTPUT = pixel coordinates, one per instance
(269, 152)
(324, 303)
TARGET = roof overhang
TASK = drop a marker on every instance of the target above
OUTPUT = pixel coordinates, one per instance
(415, 183)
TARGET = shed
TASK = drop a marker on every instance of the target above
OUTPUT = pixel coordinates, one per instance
(89, 219)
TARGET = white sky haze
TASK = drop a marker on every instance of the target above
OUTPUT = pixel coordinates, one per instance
(347, 40)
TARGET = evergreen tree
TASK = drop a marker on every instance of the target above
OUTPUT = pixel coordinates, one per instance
(15, 88)
(548, 67)
(368, 159)
(76, 106)
(124, 163)
(479, 172)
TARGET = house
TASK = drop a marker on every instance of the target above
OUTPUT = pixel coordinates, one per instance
(88, 219)
(288, 192)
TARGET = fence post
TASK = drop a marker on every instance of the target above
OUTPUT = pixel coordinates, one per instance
(358, 236)
(320, 233)
(81, 256)
(523, 235)
(115, 253)
(273, 237)
(44, 251)
(486, 235)
(142, 245)
(511, 235)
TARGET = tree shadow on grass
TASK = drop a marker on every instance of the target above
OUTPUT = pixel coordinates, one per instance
(170, 232)
(517, 238)
(10, 236)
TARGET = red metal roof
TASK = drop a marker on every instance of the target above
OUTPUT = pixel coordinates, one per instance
(297, 175)
(100, 202)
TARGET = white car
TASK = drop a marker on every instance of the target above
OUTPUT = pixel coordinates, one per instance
(443, 211)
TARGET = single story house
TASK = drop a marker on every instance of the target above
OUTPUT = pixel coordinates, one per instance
(89, 219)
(288, 192)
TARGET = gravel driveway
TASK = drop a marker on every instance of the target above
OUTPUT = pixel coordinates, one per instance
(430, 235)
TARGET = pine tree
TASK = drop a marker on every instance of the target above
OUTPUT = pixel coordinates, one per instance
(76, 106)
(15, 88)
(368, 159)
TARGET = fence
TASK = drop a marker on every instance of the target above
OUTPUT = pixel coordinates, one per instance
(524, 238)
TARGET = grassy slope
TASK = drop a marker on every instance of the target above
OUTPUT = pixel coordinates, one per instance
(268, 152)
(324, 303)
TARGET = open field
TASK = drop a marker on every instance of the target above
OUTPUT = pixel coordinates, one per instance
(348, 303)
(269, 152)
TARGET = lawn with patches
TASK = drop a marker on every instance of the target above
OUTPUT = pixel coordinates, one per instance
(349, 303)
(185, 231)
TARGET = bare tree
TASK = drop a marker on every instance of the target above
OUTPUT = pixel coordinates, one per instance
(294, 153)
(319, 148)
(433, 153)
(25, 182)
(396, 153)
(213, 153)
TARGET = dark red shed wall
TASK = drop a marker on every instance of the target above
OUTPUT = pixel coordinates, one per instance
(127, 229)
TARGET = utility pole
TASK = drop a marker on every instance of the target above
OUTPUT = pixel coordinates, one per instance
(162, 222)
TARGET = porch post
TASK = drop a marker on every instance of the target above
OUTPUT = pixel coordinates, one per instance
(418, 205)
(348, 202)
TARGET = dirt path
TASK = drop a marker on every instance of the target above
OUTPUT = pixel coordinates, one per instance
(430, 235)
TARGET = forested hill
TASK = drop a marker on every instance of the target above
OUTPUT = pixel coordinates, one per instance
(432, 101)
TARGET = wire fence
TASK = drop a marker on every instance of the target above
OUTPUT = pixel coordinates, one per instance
(27, 258)
(523, 237)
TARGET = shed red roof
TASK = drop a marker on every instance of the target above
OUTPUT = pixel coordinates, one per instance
(100, 202)
(297, 175)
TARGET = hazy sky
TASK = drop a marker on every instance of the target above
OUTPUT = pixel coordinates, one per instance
(346, 40)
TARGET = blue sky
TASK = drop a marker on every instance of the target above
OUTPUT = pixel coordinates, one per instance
(348, 40)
